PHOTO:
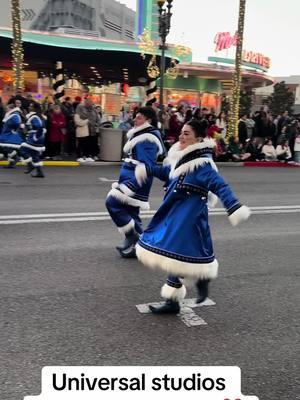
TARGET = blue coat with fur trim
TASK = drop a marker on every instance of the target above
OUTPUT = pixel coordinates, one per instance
(10, 137)
(35, 139)
(178, 238)
(143, 146)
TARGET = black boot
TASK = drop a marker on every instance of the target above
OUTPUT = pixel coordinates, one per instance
(39, 173)
(11, 164)
(169, 307)
(29, 168)
(128, 248)
(202, 288)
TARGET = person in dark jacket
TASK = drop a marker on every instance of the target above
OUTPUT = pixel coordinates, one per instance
(19, 96)
(254, 149)
(2, 113)
(242, 129)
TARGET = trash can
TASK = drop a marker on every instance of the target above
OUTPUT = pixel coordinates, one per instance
(111, 144)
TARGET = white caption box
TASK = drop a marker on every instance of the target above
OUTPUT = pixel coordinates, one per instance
(136, 383)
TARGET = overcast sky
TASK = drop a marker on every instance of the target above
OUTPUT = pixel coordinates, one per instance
(272, 27)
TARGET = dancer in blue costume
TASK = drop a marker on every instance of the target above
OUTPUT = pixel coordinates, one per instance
(34, 146)
(10, 138)
(127, 197)
(178, 238)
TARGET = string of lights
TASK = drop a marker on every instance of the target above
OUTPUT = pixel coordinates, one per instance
(17, 46)
(236, 84)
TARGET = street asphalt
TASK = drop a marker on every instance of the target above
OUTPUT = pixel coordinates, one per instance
(66, 297)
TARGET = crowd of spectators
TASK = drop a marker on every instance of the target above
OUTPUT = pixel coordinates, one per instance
(260, 137)
(73, 128)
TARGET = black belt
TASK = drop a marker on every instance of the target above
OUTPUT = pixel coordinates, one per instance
(189, 189)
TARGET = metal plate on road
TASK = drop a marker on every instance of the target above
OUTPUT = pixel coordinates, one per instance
(186, 315)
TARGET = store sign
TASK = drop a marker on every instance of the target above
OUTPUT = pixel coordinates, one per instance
(224, 41)
(256, 58)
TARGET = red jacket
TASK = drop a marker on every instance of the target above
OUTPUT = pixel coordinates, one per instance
(175, 127)
(57, 124)
(212, 130)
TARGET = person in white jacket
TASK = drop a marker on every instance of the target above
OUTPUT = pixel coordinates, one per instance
(297, 148)
(283, 151)
(269, 151)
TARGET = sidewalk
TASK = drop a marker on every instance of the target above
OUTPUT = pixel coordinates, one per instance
(70, 163)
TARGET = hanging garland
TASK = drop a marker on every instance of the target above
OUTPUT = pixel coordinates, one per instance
(236, 84)
(17, 46)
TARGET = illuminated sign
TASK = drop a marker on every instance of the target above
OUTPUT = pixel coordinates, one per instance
(256, 58)
(224, 41)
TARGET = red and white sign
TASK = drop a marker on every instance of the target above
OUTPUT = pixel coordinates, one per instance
(256, 58)
(224, 41)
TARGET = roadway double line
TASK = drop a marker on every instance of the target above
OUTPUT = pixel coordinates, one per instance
(104, 216)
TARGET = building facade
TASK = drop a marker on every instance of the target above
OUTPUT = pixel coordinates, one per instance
(293, 83)
(147, 18)
(104, 18)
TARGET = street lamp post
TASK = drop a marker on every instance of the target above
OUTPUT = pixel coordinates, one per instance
(164, 24)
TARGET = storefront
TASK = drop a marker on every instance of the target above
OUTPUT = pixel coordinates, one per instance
(193, 92)
(103, 69)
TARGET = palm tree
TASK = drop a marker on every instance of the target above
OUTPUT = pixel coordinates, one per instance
(236, 86)
(17, 47)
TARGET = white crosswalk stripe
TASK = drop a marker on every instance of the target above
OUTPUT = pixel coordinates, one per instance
(104, 216)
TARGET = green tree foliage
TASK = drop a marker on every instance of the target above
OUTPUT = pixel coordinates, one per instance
(246, 101)
(282, 99)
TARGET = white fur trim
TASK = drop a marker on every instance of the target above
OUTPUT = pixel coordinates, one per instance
(136, 129)
(175, 154)
(12, 154)
(30, 117)
(212, 200)
(140, 174)
(175, 267)
(132, 161)
(240, 215)
(30, 114)
(9, 114)
(125, 189)
(143, 138)
(127, 228)
(36, 148)
(114, 185)
(169, 292)
(38, 164)
(12, 146)
(190, 166)
(123, 198)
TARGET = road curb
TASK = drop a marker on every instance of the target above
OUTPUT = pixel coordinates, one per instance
(49, 163)
(118, 163)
